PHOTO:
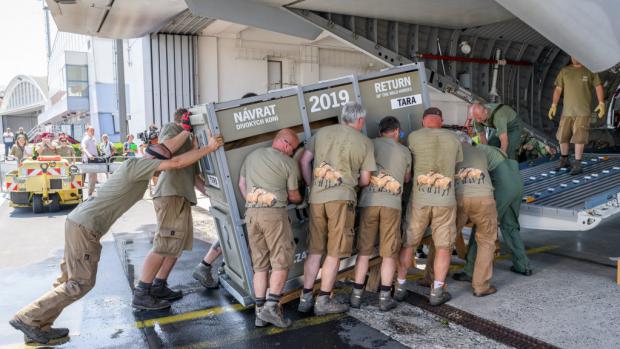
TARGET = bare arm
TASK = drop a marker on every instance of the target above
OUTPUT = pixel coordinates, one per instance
(600, 93)
(364, 179)
(190, 157)
(294, 196)
(503, 139)
(306, 168)
(556, 95)
(176, 142)
(242, 185)
(483, 137)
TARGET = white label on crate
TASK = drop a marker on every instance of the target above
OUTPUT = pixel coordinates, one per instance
(406, 101)
(213, 181)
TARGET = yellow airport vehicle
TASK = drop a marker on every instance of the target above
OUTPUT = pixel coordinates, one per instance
(47, 182)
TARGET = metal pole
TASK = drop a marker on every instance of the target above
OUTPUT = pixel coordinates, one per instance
(120, 88)
(46, 10)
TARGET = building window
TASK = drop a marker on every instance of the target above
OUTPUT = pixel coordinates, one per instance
(77, 80)
(77, 89)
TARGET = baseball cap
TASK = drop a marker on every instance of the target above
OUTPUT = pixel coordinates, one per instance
(432, 111)
(46, 135)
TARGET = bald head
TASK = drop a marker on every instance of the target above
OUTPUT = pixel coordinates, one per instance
(478, 112)
(286, 141)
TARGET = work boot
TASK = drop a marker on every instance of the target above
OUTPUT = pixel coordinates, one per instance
(400, 292)
(305, 302)
(56, 336)
(439, 295)
(162, 291)
(462, 276)
(35, 333)
(202, 273)
(142, 299)
(326, 305)
(576, 168)
(526, 272)
(488, 291)
(356, 297)
(564, 163)
(272, 313)
(257, 321)
(221, 270)
(386, 302)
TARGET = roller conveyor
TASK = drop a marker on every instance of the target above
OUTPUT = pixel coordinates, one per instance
(555, 200)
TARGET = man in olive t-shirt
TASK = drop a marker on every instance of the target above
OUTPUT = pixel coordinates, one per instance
(86, 225)
(343, 159)
(503, 120)
(475, 203)
(380, 212)
(436, 152)
(173, 198)
(268, 180)
(576, 82)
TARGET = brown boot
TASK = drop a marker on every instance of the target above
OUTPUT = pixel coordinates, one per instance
(486, 292)
(564, 163)
(576, 168)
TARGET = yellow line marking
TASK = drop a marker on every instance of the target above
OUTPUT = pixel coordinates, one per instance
(189, 316)
(457, 267)
(230, 338)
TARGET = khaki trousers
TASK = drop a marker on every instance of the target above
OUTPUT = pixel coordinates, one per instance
(92, 181)
(481, 211)
(78, 274)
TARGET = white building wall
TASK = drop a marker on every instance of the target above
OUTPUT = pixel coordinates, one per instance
(135, 64)
(232, 64)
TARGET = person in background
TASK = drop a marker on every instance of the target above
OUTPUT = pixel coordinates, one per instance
(9, 139)
(21, 149)
(576, 82)
(46, 147)
(90, 155)
(129, 147)
(21, 131)
(106, 147)
(64, 149)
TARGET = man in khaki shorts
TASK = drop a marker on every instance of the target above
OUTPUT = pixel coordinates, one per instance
(576, 81)
(475, 203)
(86, 225)
(436, 152)
(268, 180)
(381, 211)
(173, 199)
(343, 159)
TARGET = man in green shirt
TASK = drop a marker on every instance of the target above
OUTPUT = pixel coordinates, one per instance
(343, 160)
(436, 151)
(88, 223)
(503, 120)
(268, 181)
(380, 212)
(173, 198)
(576, 82)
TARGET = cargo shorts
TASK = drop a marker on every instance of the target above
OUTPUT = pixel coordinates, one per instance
(332, 228)
(175, 228)
(574, 129)
(382, 221)
(441, 219)
(270, 237)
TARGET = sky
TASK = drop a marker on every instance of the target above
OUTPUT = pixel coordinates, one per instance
(22, 39)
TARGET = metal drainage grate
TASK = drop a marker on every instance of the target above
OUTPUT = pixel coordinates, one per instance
(485, 327)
